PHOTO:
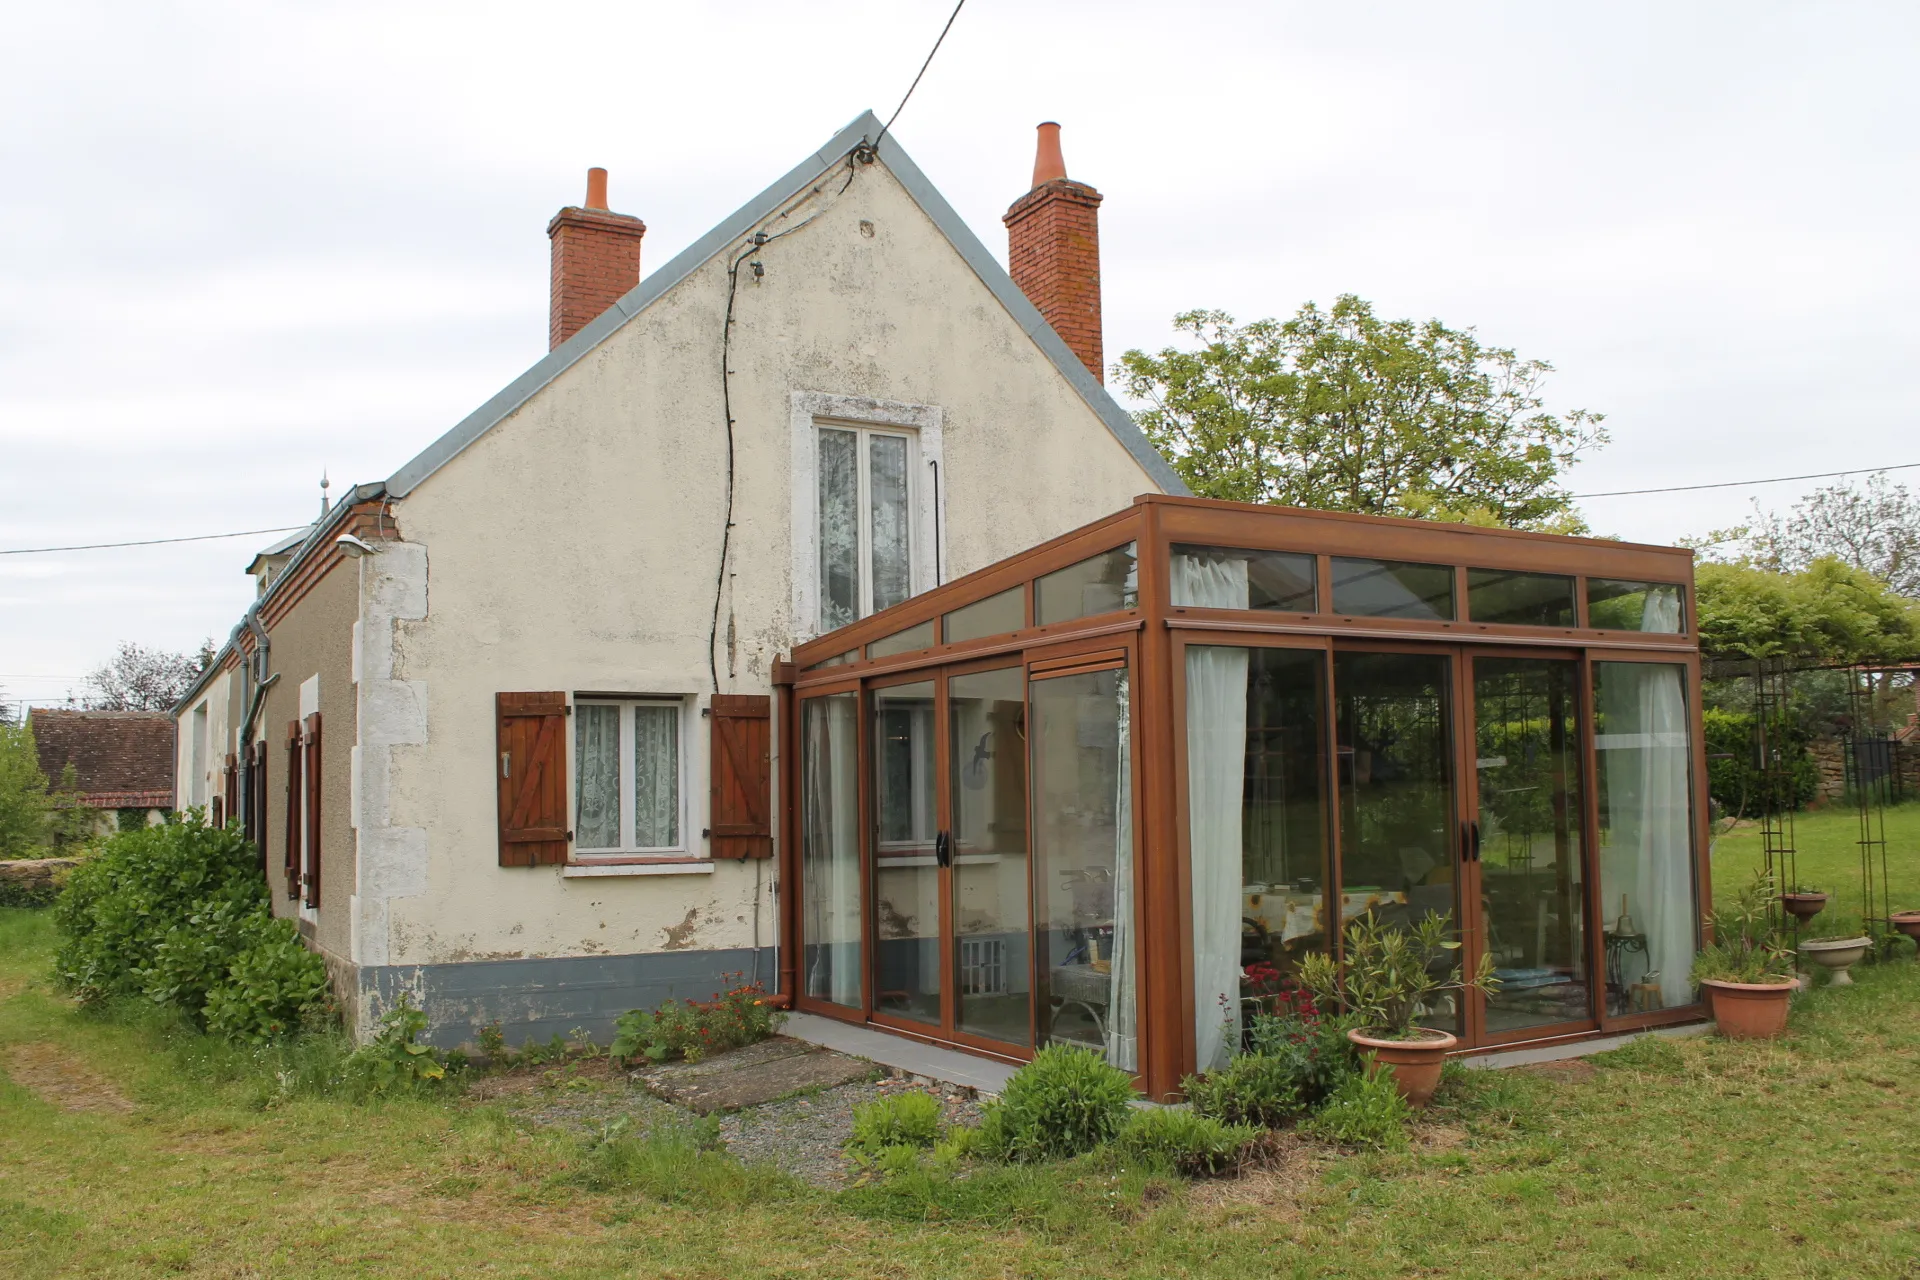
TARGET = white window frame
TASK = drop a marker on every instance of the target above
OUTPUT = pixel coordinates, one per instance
(629, 846)
(926, 494)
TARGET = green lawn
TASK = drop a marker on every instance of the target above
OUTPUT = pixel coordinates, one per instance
(1827, 848)
(1695, 1158)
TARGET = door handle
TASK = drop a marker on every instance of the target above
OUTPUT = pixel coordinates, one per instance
(943, 849)
(1474, 828)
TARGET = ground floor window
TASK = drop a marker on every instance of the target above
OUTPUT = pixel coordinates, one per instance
(627, 770)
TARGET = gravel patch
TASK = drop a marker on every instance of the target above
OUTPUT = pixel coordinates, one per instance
(804, 1135)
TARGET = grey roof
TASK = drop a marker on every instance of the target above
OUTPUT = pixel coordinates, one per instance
(736, 226)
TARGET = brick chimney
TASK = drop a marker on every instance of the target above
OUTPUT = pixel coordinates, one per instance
(596, 259)
(1053, 250)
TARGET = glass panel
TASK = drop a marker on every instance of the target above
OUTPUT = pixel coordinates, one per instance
(987, 717)
(906, 872)
(1648, 901)
(596, 776)
(892, 567)
(1615, 605)
(1083, 863)
(920, 637)
(1533, 890)
(1394, 736)
(837, 660)
(1105, 583)
(1229, 578)
(996, 615)
(1388, 589)
(830, 848)
(656, 776)
(1255, 746)
(839, 501)
(1520, 599)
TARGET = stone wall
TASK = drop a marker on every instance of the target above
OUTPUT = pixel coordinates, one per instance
(32, 882)
(1830, 757)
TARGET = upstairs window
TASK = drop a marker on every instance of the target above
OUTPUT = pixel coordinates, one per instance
(866, 515)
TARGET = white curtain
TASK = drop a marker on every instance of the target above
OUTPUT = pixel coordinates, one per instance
(1216, 779)
(830, 850)
(656, 776)
(596, 767)
(1123, 1013)
(1647, 864)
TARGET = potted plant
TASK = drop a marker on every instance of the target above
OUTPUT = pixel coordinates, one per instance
(1803, 902)
(1907, 922)
(1745, 972)
(1390, 977)
(1836, 954)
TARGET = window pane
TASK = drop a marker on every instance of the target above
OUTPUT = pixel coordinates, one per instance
(1230, 578)
(1646, 834)
(892, 569)
(1615, 605)
(906, 868)
(920, 637)
(656, 776)
(987, 725)
(1520, 599)
(830, 849)
(996, 615)
(1105, 583)
(839, 528)
(1389, 589)
(1255, 752)
(596, 776)
(837, 660)
(1083, 854)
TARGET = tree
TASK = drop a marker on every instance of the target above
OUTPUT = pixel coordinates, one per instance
(23, 794)
(1827, 612)
(1340, 410)
(1875, 528)
(143, 679)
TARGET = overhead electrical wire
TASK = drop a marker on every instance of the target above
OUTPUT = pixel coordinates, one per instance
(923, 71)
(1740, 484)
(149, 542)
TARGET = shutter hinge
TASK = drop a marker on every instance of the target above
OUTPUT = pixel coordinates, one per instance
(706, 833)
(569, 708)
(706, 711)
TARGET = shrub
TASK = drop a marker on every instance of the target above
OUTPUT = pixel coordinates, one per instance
(1747, 945)
(1065, 1102)
(395, 1061)
(1733, 776)
(910, 1119)
(120, 905)
(1315, 1046)
(692, 1029)
(1390, 974)
(1365, 1111)
(273, 987)
(1196, 1145)
(1254, 1088)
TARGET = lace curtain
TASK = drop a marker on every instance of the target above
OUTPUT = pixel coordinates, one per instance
(596, 762)
(1123, 1014)
(830, 849)
(656, 777)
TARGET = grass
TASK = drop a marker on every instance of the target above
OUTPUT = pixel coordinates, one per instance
(1694, 1157)
(1827, 857)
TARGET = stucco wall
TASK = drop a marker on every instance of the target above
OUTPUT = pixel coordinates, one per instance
(219, 698)
(314, 640)
(574, 547)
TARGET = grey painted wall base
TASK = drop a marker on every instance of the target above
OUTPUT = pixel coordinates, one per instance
(538, 999)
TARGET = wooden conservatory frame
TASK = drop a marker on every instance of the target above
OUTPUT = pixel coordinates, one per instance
(1151, 639)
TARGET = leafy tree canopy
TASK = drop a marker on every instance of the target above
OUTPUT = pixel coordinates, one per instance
(1827, 612)
(1875, 528)
(142, 679)
(23, 794)
(1342, 411)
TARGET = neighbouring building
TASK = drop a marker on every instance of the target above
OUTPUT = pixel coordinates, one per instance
(123, 761)
(502, 723)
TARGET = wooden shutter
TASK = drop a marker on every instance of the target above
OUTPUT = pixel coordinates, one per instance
(530, 769)
(742, 776)
(257, 800)
(311, 775)
(295, 795)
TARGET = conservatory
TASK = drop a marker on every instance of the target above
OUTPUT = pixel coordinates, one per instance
(1111, 790)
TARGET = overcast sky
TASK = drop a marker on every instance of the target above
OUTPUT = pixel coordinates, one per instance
(242, 243)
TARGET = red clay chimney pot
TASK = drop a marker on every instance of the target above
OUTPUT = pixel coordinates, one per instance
(1048, 164)
(596, 259)
(596, 188)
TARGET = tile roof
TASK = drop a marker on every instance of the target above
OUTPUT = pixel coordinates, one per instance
(123, 758)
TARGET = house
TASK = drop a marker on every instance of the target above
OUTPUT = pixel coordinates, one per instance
(123, 761)
(502, 723)
(1110, 790)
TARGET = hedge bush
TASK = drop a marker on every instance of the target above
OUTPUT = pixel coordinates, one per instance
(1065, 1102)
(180, 913)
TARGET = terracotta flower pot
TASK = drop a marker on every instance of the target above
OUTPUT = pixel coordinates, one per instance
(1836, 956)
(1907, 922)
(1414, 1064)
(1803, 906)
(1750, 1010)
